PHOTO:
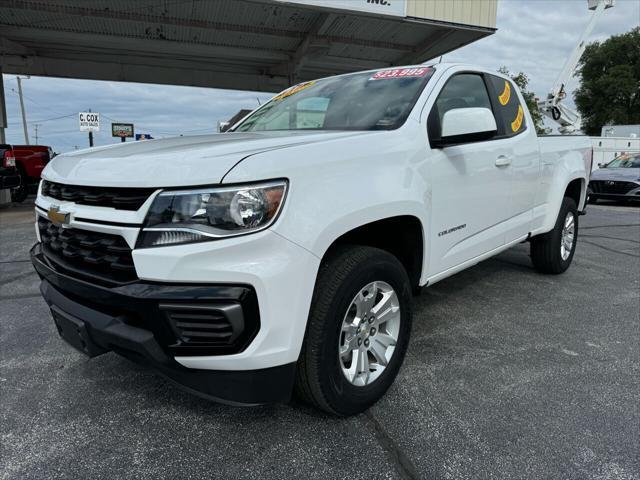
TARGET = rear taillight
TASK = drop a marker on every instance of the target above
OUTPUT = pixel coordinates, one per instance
(9, 159)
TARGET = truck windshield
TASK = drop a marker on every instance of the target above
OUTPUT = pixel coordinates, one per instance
(379, 100)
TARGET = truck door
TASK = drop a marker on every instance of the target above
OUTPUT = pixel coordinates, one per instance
(517, 142)
(469, 186)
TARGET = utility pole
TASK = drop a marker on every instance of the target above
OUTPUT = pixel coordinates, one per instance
(90, 135)
(36, 135)
(3, 110)
(24, 115)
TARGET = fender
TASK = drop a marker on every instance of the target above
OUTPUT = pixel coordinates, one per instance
(346, 223)
(557, 174)
(386, 176)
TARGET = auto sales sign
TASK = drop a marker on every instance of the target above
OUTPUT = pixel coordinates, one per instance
(89, 121)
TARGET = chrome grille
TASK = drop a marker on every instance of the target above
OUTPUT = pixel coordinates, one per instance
(118, 198)
(611, 186)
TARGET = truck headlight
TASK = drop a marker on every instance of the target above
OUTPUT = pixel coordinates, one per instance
(198, 215)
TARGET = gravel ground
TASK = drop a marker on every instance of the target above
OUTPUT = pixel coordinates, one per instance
(510, 374)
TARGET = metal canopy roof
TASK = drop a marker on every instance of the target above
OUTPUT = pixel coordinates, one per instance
(261, 45)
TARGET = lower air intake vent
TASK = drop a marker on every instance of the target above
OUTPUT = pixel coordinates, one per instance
(201, 325)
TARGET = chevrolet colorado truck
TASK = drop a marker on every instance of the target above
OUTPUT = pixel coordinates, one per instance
(282, 257)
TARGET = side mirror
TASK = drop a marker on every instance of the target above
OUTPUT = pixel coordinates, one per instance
(464, 125)
(601, 165)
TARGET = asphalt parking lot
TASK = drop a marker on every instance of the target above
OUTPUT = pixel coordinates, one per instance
(510, 374)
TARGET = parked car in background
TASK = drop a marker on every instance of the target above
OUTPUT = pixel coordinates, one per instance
(617, 180)
(9, 177)
(30, 161)
(283, 254)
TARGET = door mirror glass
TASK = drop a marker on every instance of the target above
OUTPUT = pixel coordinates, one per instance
(472, 124)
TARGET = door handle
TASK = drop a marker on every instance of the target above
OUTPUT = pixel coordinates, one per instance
(503, 161)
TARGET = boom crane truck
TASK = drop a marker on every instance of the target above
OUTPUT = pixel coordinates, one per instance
(552, 106)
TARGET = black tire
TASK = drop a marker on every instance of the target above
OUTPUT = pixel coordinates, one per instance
(319, 378)
(592, 199)
(19, 194)
(546, 249)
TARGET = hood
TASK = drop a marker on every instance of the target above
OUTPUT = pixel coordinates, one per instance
(623, 174)
(172, 162)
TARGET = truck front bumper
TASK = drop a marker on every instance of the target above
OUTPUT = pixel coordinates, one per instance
(130, 321)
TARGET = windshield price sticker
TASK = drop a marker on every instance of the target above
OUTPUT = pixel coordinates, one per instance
(400, 73)
(293, 90)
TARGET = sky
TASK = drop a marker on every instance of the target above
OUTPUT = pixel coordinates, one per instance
(534, 36)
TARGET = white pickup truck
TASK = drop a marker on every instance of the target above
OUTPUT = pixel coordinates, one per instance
(283, 256)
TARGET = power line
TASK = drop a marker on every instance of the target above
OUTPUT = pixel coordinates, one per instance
(46, 119)
(53, 118)
(37, 103)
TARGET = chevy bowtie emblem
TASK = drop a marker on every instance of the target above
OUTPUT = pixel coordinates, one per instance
(57, 217)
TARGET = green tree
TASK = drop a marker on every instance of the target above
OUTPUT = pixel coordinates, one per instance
(522, 81)
(609, 92)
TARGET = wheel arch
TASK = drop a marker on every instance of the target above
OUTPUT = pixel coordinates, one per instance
(573, 186)
(402, 235)
(576, 189)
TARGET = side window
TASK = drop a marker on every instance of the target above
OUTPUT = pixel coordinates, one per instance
(508, 107)
(461, 91)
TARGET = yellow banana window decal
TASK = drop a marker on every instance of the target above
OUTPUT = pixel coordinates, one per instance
(506, 94)
(517, 123)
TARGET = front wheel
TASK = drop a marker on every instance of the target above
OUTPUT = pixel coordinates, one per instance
(358, 330)
(553, 251)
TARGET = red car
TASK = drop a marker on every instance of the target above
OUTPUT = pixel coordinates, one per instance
(30, 161)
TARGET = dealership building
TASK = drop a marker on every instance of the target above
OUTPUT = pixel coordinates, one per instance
(259, 45)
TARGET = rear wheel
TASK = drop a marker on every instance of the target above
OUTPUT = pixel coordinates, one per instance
(553, 251)
(357, 333)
